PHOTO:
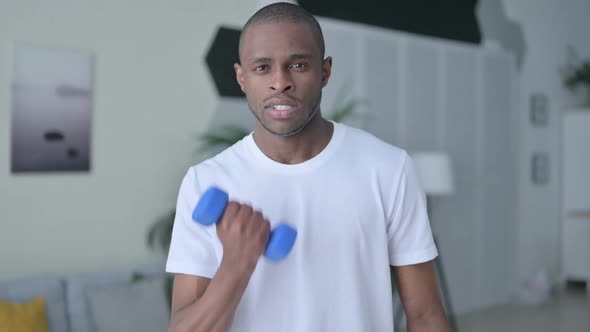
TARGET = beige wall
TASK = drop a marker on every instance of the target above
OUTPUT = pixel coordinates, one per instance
(153, 95)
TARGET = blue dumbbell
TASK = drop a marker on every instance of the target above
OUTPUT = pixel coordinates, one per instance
(211, 206)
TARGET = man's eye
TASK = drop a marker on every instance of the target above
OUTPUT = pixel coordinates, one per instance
(298, 66)
(261, 68)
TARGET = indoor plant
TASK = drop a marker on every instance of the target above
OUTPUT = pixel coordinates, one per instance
(579, 75)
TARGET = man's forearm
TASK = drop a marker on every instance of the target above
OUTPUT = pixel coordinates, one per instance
(213, 311)
(436, 322)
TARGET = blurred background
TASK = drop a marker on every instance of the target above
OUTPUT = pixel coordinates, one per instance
(491, 96)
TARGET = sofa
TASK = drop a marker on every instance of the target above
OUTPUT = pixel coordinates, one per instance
(132, 299)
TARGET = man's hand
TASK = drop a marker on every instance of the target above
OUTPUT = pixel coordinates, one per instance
(201, 304)
(244, 234)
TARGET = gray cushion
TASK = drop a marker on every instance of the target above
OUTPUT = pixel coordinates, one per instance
(138, 306)
(52, 290)
(76, 286)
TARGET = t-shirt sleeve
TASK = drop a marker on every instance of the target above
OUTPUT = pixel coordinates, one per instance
(409, 233)
(193, 246)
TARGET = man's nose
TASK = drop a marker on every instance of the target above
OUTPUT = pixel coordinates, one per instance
(282, 81)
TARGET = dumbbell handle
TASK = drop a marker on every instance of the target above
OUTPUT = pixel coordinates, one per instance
(210, 208)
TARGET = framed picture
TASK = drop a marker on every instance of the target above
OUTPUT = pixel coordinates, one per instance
(540, 168)
(539, 110)
(52, 103)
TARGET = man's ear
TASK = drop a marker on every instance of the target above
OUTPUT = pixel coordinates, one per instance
(326, 70)
(239, 76)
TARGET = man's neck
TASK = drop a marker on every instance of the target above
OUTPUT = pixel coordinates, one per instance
(296, 149)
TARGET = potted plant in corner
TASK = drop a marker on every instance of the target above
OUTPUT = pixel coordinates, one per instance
(579, 76)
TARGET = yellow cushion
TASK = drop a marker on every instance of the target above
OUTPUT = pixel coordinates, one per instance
(23, 317)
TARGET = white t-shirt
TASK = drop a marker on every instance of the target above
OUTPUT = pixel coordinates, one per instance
(357, 207)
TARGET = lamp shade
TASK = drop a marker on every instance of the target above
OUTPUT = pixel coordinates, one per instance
(434, 172)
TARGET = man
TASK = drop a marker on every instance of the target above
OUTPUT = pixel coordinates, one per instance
(353, 199)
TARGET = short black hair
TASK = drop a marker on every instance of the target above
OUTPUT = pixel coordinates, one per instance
(287, 13)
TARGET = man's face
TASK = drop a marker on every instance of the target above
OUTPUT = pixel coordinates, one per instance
(282, 74)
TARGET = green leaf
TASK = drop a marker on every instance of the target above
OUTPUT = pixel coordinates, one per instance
(160, 233)
(225, 138)
(344, 111)
(577, 75)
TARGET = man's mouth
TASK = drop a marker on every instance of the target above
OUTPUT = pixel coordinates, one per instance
(282, 111)
(282, 107)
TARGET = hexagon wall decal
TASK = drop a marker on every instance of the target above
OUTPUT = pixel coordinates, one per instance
(220, 59)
